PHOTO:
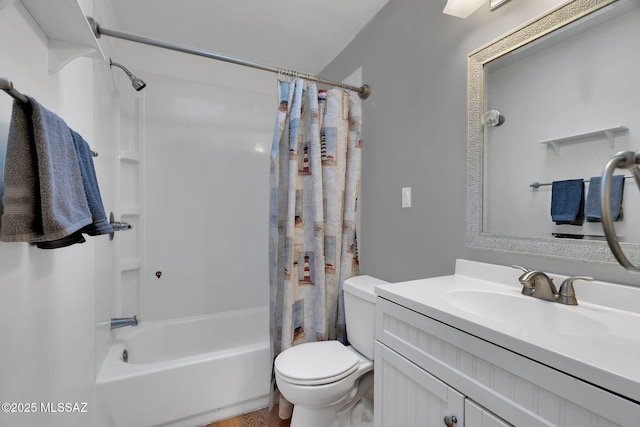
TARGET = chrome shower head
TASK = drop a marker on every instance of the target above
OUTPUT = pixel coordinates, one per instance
(138, 84)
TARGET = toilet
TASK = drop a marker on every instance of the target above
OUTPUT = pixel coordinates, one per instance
(330, 384)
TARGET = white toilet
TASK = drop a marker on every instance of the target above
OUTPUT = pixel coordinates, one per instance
(329, 384)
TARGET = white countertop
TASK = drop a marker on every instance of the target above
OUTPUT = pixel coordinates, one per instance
(608, 357)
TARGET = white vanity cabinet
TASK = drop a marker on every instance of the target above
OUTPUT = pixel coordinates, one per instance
(478, 416)
(411, 396)
(426, 370)
(414, 398)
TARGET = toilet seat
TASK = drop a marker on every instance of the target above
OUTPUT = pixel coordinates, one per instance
(316, 363)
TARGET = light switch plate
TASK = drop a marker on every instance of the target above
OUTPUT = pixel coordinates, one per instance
(406, 197)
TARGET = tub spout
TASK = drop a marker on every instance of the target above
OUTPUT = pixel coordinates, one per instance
(121, 322)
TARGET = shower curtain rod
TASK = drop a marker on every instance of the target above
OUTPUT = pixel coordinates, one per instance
(363, 92)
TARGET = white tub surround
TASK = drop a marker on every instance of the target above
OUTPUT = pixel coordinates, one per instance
(186, 372)
(478, 342)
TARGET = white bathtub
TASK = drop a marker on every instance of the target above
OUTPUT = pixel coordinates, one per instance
(186, 372)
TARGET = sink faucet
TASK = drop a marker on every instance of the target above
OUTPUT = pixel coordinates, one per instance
(537, 284)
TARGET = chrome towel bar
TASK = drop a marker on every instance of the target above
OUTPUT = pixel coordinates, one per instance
(542, 184)
(7, 86)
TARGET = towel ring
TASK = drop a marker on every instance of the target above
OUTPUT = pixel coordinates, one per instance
(622, 160)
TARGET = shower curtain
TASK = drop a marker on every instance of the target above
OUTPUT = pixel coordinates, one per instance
(315, 179)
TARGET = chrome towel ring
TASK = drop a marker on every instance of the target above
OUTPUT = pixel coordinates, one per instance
(622, 160)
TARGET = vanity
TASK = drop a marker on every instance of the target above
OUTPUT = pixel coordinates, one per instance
(491, 346)
(471, 350)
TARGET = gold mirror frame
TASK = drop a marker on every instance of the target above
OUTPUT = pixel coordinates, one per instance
(597, 251)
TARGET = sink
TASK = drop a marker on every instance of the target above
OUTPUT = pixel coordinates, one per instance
(527, 313)
(598, 340)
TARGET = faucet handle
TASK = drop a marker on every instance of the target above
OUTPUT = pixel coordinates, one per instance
(519, 267)
(527, 288)
(566, 294)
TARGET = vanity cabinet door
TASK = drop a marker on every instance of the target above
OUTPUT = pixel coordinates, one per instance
(411, 397)
(477, 416)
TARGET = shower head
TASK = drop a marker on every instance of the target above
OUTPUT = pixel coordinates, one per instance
(138, 84)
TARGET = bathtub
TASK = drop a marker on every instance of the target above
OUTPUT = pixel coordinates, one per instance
(186, 372)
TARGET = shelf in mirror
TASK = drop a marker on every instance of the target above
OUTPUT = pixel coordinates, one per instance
(609, 133)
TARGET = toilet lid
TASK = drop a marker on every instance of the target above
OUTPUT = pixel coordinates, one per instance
(316, 363)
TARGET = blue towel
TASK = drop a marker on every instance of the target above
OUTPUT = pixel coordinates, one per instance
(592, 206)
(100, 224)
(567, 202)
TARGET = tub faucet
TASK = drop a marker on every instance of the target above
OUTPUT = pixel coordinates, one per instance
(537, 284)
(121, 322)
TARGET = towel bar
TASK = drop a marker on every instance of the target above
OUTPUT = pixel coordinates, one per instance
(7, 86)
(542, 184)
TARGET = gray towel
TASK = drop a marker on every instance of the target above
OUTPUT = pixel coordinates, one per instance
(21, 220)
(44, 195)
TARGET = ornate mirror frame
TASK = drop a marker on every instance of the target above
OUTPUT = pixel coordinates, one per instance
(589, 250)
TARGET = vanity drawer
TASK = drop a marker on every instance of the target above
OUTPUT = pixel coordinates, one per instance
(521, 391)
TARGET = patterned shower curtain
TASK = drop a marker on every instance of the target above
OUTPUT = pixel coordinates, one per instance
(315, 180)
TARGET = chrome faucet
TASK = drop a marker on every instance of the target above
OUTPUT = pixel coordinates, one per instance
(121, 322)
(537, 284)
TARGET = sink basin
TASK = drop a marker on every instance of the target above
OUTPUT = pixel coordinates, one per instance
(527, 313)
(597, 340)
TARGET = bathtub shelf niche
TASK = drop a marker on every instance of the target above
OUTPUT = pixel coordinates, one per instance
(68, 33)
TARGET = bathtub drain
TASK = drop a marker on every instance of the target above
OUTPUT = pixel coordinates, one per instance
(125, 356)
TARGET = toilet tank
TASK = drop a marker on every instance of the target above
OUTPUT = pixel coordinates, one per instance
(360, 312)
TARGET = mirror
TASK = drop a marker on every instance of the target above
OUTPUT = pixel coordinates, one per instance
(563, 85)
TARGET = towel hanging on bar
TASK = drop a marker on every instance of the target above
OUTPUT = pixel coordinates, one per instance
(567, 202)
(44, 198)
(51, 195)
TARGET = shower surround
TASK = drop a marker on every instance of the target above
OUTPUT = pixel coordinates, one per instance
(203, 292)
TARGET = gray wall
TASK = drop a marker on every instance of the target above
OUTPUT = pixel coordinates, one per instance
(414, 57)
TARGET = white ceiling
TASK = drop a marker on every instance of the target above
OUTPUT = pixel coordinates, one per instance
(301, 35)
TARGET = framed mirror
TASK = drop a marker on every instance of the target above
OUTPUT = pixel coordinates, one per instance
(562, 93)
